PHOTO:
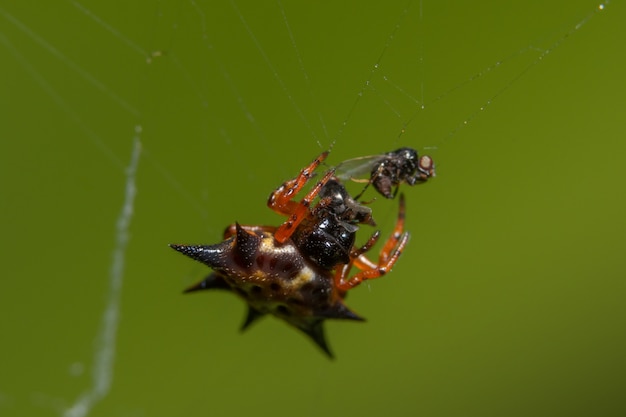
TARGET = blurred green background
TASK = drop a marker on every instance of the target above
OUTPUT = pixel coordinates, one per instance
(509, 300)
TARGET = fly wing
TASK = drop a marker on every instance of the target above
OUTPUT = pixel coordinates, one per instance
(357, 168)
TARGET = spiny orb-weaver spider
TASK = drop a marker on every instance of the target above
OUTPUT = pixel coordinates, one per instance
(299, 271)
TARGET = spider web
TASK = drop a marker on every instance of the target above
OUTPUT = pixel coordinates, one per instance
(136, 127)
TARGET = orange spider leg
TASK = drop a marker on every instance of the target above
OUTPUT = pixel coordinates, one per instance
(344, 270)
(301, 210)
(363, 263)
(281, 199)
(376, 272)
(392, 242)
(388, 256)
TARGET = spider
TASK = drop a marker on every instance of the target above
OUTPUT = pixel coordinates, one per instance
(388, 170)
(299, 271)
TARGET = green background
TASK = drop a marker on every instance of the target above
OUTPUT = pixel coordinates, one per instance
(509, 300)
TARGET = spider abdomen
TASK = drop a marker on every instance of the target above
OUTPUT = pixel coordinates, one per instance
(273, 279)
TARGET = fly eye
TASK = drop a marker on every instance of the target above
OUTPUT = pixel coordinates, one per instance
(426, 165)
(425, 162)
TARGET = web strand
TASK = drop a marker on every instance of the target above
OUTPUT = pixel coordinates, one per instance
(104, 355)
(70, 63)
(305, 74)
(60, 101)
(373, 70)
(274, 72)
(544, 53)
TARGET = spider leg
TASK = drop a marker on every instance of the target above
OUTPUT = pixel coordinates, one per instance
(281, 199)
(301, 209)
(355, 255)
(392, 242)
(389, 254)
(367, 246)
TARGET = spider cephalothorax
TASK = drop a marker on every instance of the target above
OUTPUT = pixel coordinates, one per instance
(299, 271)
(327, 235)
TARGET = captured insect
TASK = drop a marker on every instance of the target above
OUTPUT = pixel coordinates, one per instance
(300, 270)
(387, 171)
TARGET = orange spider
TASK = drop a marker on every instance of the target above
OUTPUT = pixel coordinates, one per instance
(299, 271)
